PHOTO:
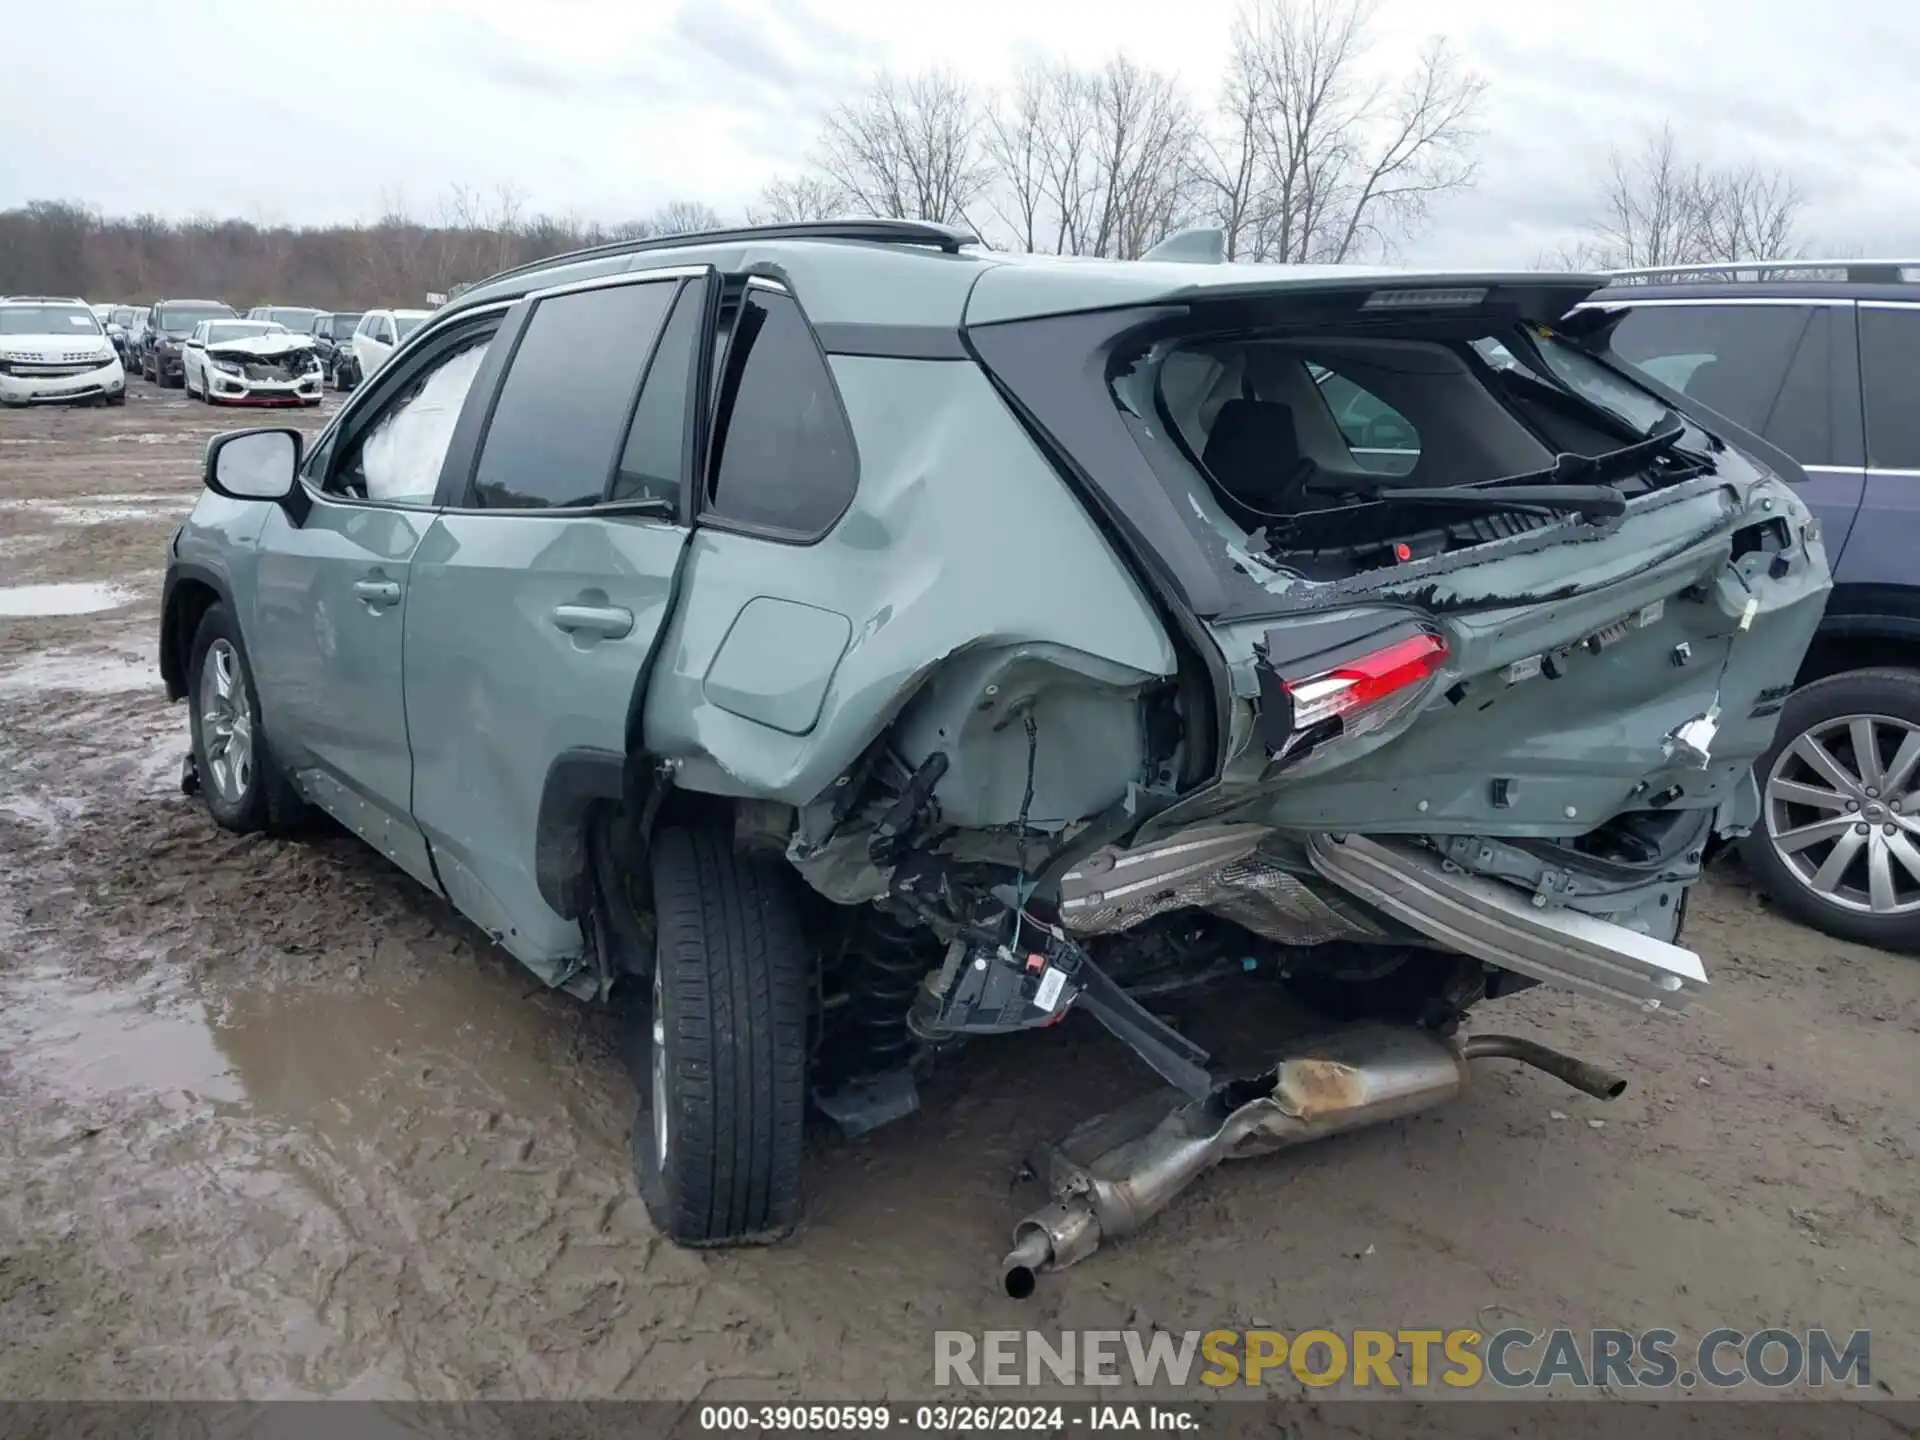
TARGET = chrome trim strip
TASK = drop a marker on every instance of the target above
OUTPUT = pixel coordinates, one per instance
(1869, 471)
(1810, 302)
(619, 277)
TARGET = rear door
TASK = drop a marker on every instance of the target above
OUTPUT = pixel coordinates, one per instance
(542, 589)
(1784, 369)
(1882, 555)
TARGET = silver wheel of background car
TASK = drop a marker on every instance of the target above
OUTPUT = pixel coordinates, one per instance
(227, 722)
(657, 1092)
(1843, 812)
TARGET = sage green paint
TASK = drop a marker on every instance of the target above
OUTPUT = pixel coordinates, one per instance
(776, 663)
(496, 693)
(1577, 749)
(965, 603)
(327, 665)
(959, 539)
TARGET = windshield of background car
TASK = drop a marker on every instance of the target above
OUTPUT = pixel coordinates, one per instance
(124, 316)
(341, 326)
(180, 320)
(242, 330)
(407, 324)
(293, 319)
(48, 320)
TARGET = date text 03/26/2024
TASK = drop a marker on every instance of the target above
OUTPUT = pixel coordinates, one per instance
(961, 1418)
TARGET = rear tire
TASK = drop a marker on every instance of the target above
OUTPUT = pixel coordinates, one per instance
(717, 1147)
(1796, 880)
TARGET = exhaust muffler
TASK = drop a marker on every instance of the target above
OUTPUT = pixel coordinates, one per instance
(1110, 1176)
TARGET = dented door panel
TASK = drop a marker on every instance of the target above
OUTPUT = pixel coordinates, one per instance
(960, 539)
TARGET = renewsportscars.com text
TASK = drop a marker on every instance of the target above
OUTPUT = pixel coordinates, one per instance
(1405, 1358)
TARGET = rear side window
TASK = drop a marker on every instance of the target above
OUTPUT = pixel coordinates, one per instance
(1383, 441)
(1890, 364)
(655, 455)
(562, 409)
(1764, 367)
(784, 459)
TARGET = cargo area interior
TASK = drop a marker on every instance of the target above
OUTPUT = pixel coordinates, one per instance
(1324, 453)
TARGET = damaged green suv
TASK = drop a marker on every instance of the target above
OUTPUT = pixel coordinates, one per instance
(855, 640)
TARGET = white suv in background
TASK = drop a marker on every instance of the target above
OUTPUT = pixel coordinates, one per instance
(379, 335)
(53, 350)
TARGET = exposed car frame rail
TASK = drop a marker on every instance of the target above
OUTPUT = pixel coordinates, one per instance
(946, 238)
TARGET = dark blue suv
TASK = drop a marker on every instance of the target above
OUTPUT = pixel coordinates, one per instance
(1822, 360)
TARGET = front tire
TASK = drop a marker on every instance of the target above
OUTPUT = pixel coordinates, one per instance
(1838, 842)
(717, 1147)
(243, 788)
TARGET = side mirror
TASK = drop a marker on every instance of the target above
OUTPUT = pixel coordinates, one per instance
(254, 464)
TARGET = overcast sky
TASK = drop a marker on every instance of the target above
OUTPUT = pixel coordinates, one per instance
(605, 109)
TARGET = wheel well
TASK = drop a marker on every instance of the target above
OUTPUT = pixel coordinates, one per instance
(187, 604)
(1832, 654)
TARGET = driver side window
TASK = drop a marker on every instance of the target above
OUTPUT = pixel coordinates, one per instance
(396, 459)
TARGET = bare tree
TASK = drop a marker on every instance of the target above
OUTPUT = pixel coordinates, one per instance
(1091, 162)
(684, 217)
(795, 199)
(1651, 215)
(908, 149)
(1020, 127)
(1228, 171)
(1144, 141)
(1750, 213)
(1318, 159)
(1660, 209)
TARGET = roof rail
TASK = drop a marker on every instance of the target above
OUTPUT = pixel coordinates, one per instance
(47, 299)
(947, 238)
(1858, 272)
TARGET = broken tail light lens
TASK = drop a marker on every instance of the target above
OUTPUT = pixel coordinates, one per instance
(1354, 687)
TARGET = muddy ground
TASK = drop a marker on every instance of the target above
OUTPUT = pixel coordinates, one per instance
(275, 1123)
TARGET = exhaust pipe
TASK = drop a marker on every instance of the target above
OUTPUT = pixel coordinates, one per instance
(1112, 1175)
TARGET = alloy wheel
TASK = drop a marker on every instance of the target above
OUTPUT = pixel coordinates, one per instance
(226, 722)
(1843, 813)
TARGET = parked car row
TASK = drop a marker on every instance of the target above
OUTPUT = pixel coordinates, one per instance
(155, 341)
(1395, 635)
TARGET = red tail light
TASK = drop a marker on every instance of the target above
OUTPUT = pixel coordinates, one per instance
(1361, 684)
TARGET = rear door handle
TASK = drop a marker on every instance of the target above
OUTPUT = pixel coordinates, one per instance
(610, 622)
(378, 592)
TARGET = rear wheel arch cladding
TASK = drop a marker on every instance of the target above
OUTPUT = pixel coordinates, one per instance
(188, 601)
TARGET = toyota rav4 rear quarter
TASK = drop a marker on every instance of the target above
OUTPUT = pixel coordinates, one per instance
(1473, 581)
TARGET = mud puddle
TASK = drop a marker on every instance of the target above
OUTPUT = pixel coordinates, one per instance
(79, 598)
(91, 1042)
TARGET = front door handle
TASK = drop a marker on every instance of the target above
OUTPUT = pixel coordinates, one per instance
(610, 622)
(378, 592)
